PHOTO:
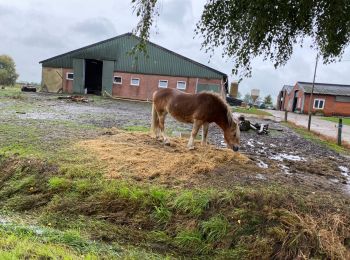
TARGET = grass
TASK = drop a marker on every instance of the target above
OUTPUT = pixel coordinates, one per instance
(27, 241)
(346, 121)
(246, 222)
(192, 203)
(253, 111)
(11, 92)
(320, 139)
(136, 128)
(216, 228)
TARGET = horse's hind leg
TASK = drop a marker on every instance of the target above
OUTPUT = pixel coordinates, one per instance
(196, 125)
(205, 133)
(161, 127)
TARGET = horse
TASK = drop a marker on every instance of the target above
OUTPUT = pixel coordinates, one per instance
(200, 109)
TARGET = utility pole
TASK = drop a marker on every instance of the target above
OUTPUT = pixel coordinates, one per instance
(312, 93)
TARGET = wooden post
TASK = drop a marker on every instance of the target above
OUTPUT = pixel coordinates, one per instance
(340, 126)
(311, 95)
(286, 115)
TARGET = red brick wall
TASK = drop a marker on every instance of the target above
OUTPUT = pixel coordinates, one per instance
(67, 84)
(331, 107)
(149, 84)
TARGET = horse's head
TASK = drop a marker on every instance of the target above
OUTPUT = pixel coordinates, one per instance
(232, 133)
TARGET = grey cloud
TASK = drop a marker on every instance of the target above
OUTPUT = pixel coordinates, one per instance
(95, 28)
(6, 10)
(175, 13)
(42, 39)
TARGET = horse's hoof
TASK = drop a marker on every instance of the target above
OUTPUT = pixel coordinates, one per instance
(191, 148)
(167, 143)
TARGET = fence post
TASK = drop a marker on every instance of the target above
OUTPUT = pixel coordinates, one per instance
(285, 115)
(340, 126)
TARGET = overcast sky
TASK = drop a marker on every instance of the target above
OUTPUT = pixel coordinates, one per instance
(33, 30)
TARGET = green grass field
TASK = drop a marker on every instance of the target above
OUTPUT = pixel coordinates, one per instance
(253, 111)
(346, 121)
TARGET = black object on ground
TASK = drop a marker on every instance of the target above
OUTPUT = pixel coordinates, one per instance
(28, 88)
(246, 125)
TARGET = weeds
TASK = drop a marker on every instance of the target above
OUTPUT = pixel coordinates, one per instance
(59, 183)
(191, 240)
(215, 229)
(162, 214)
(192, 203)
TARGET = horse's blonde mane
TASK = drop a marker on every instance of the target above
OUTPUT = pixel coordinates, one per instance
(230, 118)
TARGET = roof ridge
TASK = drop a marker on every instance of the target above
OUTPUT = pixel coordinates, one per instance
(321, 83)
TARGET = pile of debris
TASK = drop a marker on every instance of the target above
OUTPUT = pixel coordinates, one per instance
(75, 98)
(246, 125)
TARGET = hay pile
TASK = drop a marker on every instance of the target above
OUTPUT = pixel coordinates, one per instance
(140, 156)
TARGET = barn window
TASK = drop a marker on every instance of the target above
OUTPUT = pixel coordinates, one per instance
(117, 80)
(181, 85)
(69, 76)
(135, 82)
(163, 84)
(319, 103)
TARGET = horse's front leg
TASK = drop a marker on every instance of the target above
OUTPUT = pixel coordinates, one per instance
(161, 128)
(205, 133)
(196, 125)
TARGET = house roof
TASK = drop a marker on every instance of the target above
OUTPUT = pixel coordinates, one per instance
(159, 60)
(325, 88)
(288, 88)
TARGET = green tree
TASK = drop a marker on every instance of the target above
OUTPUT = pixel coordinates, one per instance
(268, 28)
(8, 75)
(268, 100)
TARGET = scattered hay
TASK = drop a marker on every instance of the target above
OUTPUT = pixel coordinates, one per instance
(140, 156)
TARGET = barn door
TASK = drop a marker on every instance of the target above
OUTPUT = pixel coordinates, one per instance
(78, 80)
(107, 76)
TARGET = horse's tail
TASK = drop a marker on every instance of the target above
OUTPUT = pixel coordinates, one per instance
(155, 120)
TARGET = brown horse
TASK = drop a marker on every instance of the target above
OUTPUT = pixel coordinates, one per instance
(199, 109)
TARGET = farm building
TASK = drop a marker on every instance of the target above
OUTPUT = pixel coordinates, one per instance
(328, 99)
(107, 68)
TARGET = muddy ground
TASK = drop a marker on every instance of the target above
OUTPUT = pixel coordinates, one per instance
(281, 157)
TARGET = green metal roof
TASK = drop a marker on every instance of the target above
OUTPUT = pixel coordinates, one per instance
(160, 61)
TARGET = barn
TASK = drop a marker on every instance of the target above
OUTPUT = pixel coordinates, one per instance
(328, 99)
(107, 68)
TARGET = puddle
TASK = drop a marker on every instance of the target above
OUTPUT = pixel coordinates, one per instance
(250, 143)
(346, 173)
(263, 165)
(281, 156)
(7, 223)
(285, 169)
(334, 180)
(260, 176)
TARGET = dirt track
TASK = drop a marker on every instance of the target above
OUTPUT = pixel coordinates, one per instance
(282, 156)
